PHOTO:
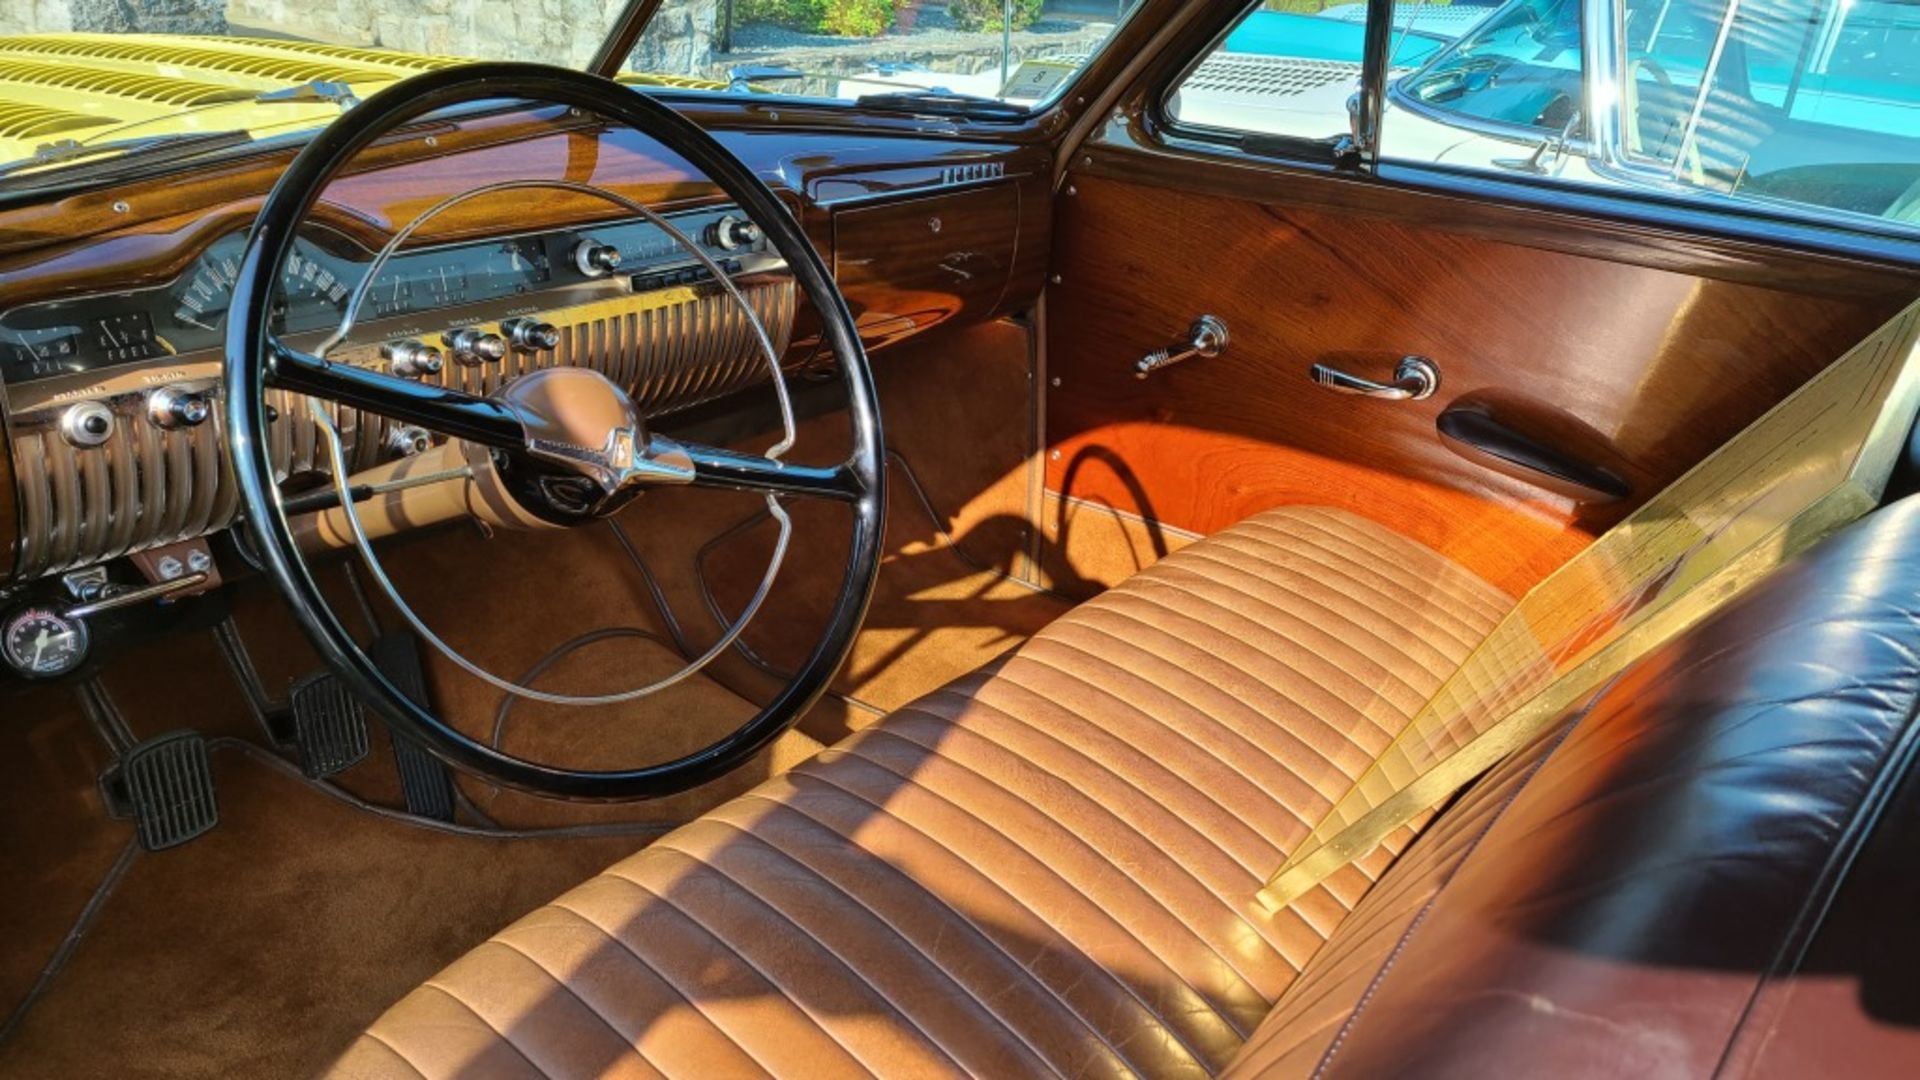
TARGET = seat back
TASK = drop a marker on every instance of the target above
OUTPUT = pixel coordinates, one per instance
(1620, 895)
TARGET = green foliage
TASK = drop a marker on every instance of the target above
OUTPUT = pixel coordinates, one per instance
(985, 14)
(845, 18)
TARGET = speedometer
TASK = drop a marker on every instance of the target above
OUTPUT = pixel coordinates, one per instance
(202, 298)
(312, 290)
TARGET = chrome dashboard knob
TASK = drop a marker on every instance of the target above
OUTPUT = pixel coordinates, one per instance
(172, 407)
(531, 335)
(595, 259)
(733, 233)
(407, 440)
(86, 424)
(473, 346)
(411, 359)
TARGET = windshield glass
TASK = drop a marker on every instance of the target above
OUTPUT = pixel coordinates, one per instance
(80, 75)
(1018, 51)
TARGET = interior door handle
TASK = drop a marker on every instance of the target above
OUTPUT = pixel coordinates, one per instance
(1416, 378)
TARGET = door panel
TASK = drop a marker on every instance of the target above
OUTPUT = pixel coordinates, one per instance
(1619, 361)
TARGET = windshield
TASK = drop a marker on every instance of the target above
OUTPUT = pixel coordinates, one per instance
(193, 76)
(1022, 52)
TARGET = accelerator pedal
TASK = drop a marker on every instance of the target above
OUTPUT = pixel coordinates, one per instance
(425, 783)
(166, 785)
(329, 727)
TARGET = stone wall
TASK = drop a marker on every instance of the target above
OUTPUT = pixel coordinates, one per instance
(552, 31)
(114, 16)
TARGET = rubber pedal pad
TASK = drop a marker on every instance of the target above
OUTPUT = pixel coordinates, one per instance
(329, 725)
(166, 783)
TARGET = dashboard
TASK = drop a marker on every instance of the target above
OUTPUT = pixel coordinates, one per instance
(114, 483)
(184, 316)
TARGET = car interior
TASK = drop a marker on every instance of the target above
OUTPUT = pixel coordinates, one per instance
(548, 572)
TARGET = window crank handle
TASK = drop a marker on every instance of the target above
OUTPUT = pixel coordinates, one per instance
(1207, 337)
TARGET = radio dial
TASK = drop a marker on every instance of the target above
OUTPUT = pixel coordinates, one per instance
(473, 346)
(170, 407)
(595, 259)
(733, 233)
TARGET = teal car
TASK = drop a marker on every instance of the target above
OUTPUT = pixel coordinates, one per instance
(1687, 96)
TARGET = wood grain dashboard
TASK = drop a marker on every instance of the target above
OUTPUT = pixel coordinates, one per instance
(923, 229)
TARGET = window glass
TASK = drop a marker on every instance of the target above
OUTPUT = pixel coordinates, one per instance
(1807, 104)
(1519, 67)
(1288, 67)
(1023, 52)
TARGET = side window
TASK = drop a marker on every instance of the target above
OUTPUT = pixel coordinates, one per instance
(1288, 67)
(1793, 105)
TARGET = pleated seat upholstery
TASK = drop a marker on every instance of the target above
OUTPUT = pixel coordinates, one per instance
(1047, 867)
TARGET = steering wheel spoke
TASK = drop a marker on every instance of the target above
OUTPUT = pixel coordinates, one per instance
(713, 467)
(437, 408)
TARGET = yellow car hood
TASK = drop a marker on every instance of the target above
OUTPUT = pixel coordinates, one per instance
(94, 88)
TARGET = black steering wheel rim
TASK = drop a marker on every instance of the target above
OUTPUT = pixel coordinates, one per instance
(248, 375)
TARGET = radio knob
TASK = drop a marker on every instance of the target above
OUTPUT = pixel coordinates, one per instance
(733, 233)
(596, 259)
(473, 346)
(531, 335)
(87, 424)
(411, 359)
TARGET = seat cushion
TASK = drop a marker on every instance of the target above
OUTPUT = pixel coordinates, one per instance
(1047, 866)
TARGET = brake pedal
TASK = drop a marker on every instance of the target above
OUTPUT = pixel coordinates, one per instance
(425, 783)
(166, 785)
(329, 726)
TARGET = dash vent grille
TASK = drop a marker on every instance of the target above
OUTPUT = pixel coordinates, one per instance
(968, 174)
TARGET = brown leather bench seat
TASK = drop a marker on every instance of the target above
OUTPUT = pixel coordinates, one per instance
(1050, 867)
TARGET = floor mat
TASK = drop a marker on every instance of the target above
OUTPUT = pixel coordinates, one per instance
(262, 948)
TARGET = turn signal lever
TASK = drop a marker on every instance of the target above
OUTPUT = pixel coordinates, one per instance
(1207, 337)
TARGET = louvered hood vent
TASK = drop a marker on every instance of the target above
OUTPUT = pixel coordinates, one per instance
(91, 86)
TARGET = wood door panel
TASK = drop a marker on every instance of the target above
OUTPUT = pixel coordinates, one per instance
(1663, 365)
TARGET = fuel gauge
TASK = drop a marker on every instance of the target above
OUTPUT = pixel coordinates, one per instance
(518, 265)
(41, 643)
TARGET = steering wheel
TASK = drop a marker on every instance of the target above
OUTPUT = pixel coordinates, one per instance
(564, 446)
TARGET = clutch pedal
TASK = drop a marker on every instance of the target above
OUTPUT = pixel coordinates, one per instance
(166, 785)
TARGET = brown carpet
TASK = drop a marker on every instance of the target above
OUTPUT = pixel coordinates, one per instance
(263, 947)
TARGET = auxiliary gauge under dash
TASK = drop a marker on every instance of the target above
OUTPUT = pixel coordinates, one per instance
(41, 643)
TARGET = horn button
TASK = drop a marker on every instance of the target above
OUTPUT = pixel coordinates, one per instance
(587, 449)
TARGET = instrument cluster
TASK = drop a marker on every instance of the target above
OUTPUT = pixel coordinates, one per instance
(90, 333)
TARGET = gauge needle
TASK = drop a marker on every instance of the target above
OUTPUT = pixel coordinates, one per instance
(39, 647)
(191, 321)
(108, 330)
